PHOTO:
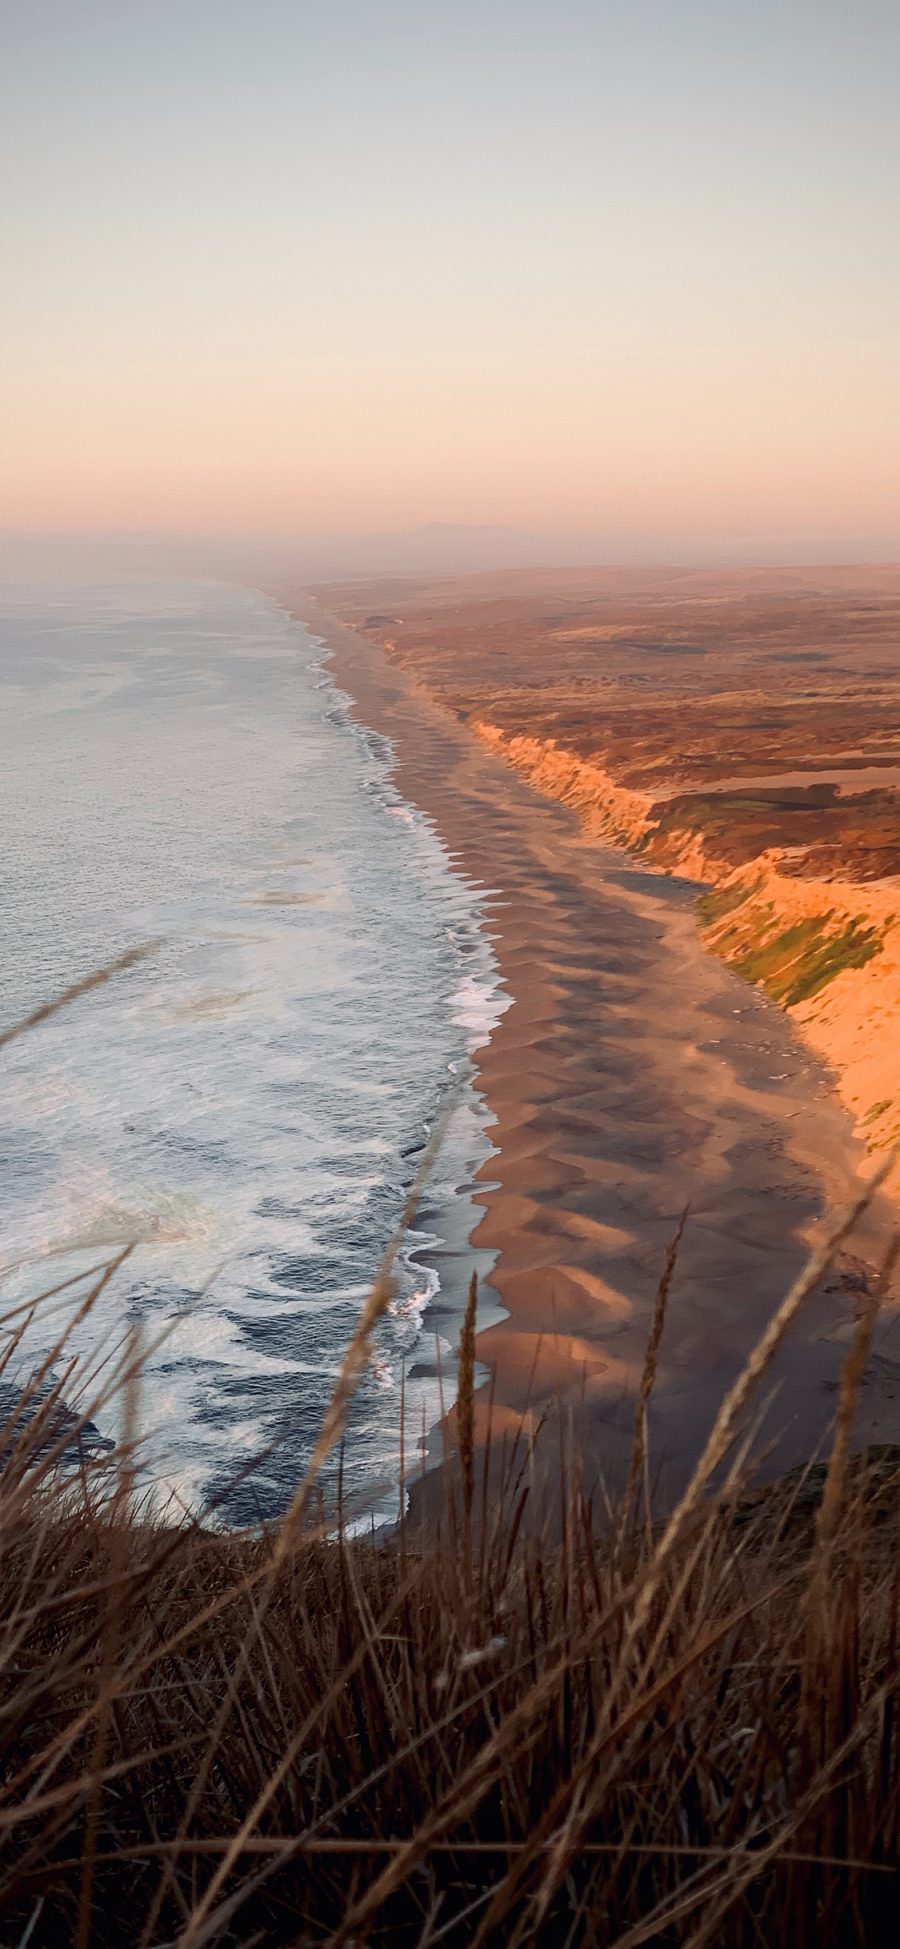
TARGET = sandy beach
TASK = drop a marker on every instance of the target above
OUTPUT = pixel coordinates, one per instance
(632, 1075)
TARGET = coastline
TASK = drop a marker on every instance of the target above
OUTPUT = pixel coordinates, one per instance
(849, 1021)
(632, 1074)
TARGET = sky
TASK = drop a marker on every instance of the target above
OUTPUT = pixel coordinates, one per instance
(624, 268)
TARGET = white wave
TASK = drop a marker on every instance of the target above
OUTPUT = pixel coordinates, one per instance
(477, 1005)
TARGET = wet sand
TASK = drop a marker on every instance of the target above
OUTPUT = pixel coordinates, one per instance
(632, 1075)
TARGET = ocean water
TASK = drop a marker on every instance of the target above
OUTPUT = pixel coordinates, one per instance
(249, 1104)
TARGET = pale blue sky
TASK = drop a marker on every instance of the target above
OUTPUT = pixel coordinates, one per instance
(589, 266)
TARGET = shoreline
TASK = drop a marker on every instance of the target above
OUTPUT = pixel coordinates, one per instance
(847, 1021)
(632, 1074)
(436, 1247)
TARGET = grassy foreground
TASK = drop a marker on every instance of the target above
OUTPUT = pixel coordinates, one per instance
(629, 1733)
(518, 1726)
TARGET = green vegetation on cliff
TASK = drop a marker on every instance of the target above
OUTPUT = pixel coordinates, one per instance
(791, 963)
(716, 905)
(798, 961)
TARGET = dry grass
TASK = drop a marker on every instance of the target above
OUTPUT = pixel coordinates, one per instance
(497, 1731)
(624, 1735)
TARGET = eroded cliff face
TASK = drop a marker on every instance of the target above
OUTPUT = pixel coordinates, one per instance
(611, 811)
(827, 950)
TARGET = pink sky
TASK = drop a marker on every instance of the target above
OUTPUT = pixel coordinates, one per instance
(287, 269)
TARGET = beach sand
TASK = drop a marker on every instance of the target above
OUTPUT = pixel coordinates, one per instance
(632, 1075)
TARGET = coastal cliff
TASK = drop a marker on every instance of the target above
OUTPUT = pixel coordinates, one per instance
(827, 950)
(734, 728)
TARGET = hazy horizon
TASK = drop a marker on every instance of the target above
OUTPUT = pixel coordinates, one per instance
(432, 550)
(617, 280)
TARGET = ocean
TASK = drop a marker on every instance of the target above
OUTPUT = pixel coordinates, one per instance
(248, 1105)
